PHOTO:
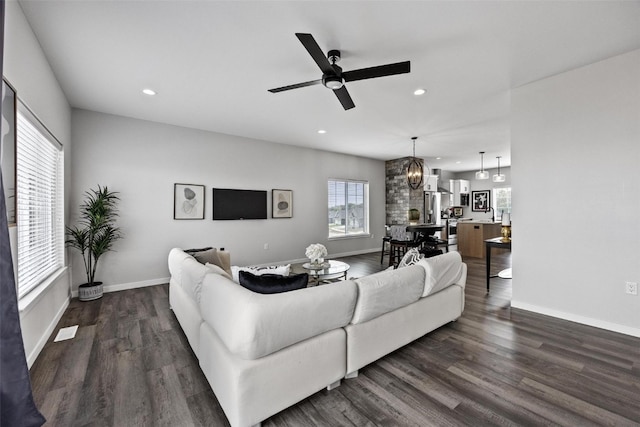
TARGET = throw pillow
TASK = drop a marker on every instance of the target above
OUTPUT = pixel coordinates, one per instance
(411, 257)
(273, 283)
(208, 256)
(192, 251)
(282, 270)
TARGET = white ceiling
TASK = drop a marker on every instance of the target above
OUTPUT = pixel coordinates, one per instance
(211, 63)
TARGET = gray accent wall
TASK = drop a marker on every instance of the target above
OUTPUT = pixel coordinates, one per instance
(143, 160)
(399, 196)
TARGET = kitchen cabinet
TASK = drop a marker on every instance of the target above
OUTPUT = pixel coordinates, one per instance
(460, 192)
(431, 183)
(471, 237)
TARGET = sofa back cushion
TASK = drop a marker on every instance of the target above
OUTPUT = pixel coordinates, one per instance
(441, 271)
(253, 325)
(273, 283)
(386, 291)
(188, 273)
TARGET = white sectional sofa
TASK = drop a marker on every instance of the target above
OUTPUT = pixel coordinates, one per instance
(262, 353)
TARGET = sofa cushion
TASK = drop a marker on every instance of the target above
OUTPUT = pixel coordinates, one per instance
(282, 270)
(192, 275)
(441, 271)
(176, 257)
(273, 283)
(253, 325)
(217, 270)
(387, 290)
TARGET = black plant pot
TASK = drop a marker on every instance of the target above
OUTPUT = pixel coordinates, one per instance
(90, 291)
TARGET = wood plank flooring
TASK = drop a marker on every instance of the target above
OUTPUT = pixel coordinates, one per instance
(130, 365)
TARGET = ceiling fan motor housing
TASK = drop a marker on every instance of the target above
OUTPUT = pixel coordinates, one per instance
(333, 81)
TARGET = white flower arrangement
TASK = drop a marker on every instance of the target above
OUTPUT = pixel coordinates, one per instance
(316, 251)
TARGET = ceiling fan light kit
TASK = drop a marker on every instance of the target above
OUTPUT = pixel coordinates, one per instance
(332, 75)
(482, 174)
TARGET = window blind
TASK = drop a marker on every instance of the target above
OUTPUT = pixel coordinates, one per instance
(40, 195)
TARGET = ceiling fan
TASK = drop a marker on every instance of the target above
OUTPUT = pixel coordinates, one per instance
(332, 75)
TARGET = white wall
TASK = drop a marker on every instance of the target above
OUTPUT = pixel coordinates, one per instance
(576, 194)
(27, 69)
(142, 160)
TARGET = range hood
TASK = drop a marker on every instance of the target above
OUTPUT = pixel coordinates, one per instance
(441, 189)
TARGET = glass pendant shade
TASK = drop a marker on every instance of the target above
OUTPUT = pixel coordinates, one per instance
(499, 177)
(482, 174)
(414, 170)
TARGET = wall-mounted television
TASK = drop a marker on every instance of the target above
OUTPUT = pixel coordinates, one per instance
(231, 204)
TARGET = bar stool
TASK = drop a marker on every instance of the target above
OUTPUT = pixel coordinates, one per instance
(398, 248)
(385, 240)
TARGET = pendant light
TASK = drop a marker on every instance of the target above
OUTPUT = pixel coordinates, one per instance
(414, 170)
(499, 177)
(482, 174)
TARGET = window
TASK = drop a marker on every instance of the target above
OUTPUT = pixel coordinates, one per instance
(40, 219)
(348, 208)
(502, 201)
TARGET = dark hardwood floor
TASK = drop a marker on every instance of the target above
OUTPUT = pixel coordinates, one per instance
(130, 365)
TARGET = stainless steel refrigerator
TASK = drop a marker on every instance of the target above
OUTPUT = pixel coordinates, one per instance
(432, 207)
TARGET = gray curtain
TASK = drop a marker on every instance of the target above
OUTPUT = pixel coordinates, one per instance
(17, 407)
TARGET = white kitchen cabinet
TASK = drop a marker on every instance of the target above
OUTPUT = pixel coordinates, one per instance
(460, 192)
(431, 183)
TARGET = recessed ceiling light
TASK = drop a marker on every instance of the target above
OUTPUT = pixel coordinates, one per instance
(322, 131)
(438, 158)
(149, 92)
(419, 92)
(458, 162)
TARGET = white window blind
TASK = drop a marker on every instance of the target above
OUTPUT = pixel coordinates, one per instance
(39, 214)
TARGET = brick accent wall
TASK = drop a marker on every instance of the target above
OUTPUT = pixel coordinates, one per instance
(400, 197)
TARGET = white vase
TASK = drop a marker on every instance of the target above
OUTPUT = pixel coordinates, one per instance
(317, 261)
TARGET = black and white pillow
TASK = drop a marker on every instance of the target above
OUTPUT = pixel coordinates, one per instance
(411, 257)
(282, 270)
(272, 283)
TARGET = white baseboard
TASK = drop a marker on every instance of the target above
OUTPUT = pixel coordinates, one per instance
(589, 321)
(131, 285)
(31, 357)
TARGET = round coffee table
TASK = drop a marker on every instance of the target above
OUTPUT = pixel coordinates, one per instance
(329, 270)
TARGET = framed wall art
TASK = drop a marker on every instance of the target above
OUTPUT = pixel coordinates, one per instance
(8, 150)
(480, 200)
(188, 201)
(282, 203)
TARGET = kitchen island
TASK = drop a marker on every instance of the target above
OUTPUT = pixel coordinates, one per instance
(472, 234)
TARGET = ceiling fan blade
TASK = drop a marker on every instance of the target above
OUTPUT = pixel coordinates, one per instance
(344, 98)
(379, 71)
(316, 53)
(295, 86)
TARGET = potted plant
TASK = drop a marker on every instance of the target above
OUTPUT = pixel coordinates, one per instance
(414, 216)
(94, 235)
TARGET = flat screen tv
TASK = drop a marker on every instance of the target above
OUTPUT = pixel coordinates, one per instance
(239, 204)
